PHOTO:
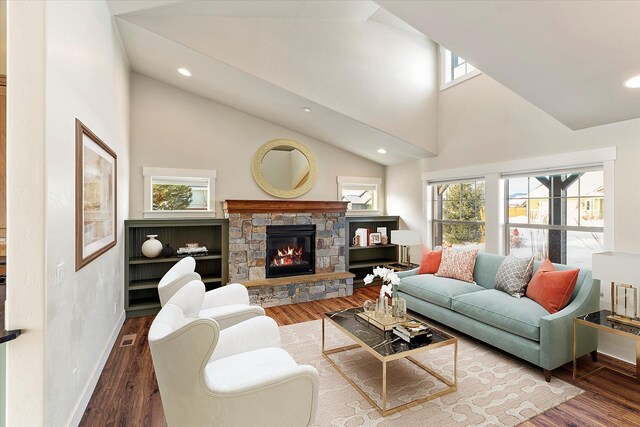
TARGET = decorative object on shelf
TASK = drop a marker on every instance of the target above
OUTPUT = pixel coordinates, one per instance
(96, 196)
(356, 240)
(168, 251)
(405, 238)
(363, 236)
(384, 238)
(622, 270)
(194, 251)
(375, 238)
(192, 245)
(273, 157)
(152, 247)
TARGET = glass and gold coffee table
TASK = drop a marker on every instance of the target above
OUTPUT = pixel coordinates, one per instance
(387, 347)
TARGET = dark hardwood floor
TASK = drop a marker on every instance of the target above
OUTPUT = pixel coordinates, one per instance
(127, 393)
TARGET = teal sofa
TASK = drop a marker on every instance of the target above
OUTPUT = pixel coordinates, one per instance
(519, 326)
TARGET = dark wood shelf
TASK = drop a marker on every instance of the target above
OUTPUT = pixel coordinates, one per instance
(390, 245)
(360, 258)
(143, 260)
(371, 263)
(142, 274)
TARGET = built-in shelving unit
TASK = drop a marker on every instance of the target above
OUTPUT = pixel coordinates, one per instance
(360, 260)
(143, 274)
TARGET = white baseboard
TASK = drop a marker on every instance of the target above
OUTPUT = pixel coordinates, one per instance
(81, 406)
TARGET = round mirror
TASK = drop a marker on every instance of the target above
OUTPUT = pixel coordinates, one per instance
(284, 168)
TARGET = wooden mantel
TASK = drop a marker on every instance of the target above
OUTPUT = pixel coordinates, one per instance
(284, 206)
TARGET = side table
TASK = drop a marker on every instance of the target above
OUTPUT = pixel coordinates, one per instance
(598, 320)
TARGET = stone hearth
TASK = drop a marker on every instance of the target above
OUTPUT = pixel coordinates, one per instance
(247, 249)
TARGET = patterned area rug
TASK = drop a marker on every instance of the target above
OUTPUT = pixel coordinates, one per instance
(493, 388)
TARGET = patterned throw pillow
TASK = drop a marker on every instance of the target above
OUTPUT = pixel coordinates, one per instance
(514, 275)
(457, 264)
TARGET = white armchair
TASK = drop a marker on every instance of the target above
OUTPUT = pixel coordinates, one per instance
(228, 305)
(235, 377)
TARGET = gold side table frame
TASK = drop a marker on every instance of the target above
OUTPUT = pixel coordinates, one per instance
(452, 385)
(582, 322)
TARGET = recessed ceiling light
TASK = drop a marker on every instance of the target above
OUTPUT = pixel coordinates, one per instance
(306, 109)
(382, 151)
(633, 82)
(184, 72)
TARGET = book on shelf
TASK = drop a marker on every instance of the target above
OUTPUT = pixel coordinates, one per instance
(363, 236)
(195, 251)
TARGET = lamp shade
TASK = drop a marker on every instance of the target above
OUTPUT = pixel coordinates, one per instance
(617, 267)
(405, 237)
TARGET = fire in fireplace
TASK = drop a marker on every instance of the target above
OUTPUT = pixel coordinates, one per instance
(290, 250)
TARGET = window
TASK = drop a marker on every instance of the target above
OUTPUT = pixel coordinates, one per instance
(459, 214)
(454, 69)
(558, 216)
(363, 194)
(178, 192)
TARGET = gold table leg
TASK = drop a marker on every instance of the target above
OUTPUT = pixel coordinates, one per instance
(452, 385)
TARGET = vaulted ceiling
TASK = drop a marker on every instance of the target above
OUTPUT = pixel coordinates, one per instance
(367, 70)
(368, 78)
(569, 58)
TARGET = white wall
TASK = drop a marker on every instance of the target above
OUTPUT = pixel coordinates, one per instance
(480, 121)
(3, 37)
(176, 129)
(86, 76)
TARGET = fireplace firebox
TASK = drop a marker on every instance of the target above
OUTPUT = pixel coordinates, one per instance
(290, 250)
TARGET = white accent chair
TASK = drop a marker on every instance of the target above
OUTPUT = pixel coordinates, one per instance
(228, 305)
(235, 377)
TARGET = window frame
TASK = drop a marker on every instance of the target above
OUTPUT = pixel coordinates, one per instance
(433, 199)
(444, 70)
(347, 181)
(149, 173)
(533, 226)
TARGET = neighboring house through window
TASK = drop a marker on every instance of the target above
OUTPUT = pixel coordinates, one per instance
(363, 194)
(559, 216)
(454, 69)
(178, 192)
(459, 214)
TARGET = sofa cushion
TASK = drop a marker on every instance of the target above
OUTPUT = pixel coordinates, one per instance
(457, 264)
(513, 275)
(552, 289)
(519, 316)
(436, 290)
(430, 261)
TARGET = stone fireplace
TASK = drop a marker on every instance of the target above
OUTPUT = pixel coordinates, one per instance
(288, 251)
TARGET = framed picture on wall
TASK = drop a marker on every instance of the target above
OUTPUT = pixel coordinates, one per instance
(96, 196)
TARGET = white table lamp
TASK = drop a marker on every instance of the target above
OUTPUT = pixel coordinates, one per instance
(405, 238)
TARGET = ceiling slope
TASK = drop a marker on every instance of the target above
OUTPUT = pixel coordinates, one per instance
(569, 58)
(369, 79)
(155, 56)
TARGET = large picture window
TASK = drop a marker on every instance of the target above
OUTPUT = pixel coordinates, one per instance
(558, 216)
(459, 214)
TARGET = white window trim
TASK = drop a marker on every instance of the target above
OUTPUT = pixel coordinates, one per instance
(494, 189)
(354, 180)
(443, 83)
(149, 172)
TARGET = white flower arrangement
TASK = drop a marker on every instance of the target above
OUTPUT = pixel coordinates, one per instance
(389, 279)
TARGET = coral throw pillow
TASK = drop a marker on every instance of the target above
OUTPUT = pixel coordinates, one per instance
(430, 261)
(550, 288)
(457, 264)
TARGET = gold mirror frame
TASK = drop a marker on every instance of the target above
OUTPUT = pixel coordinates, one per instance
(256, 168)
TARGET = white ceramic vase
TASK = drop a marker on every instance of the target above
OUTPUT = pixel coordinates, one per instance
(153, 247)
